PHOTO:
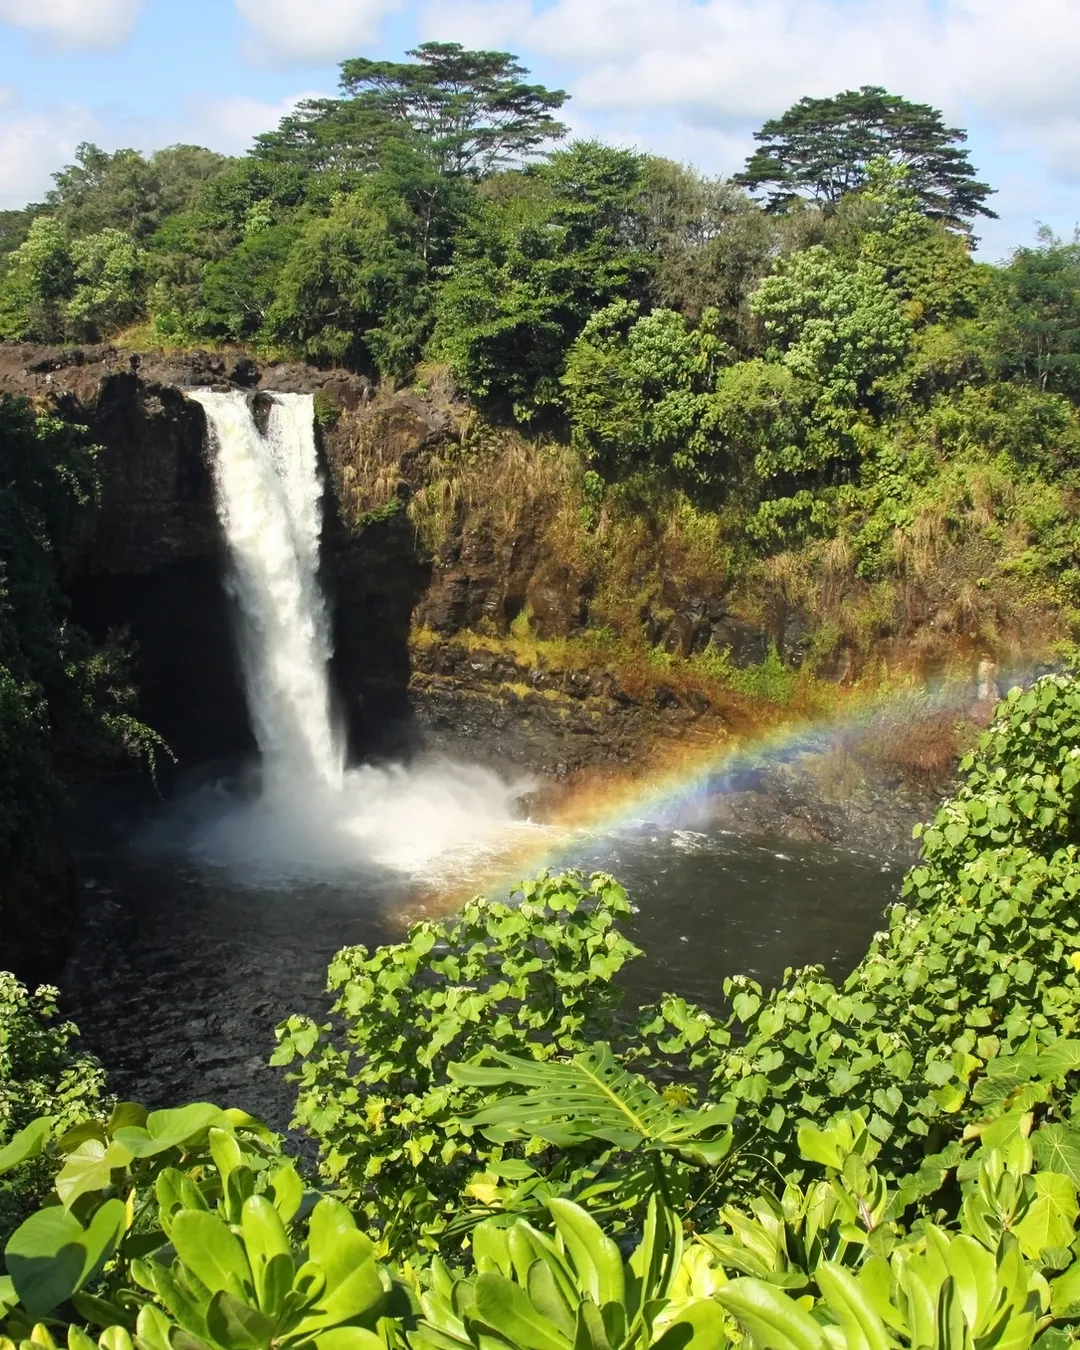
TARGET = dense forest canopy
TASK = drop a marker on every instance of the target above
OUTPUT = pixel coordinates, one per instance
(832, 365)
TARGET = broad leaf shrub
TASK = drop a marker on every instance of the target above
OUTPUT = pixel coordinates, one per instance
(43, 1073)
(980, 960)
(188, 1230)
(532, 977)
(892, 1162)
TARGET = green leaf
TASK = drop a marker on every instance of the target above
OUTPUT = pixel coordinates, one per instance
(1050, 1220)
(775, 1321)
(507, 1309)
(51, 1255)
(349, 1338)
(596, 1258)
(169, 1129)
(288, 1191)
(1065, 1290)
(331, 1223)
(862, 1326)
(211, 1252)
(590, 1096)
(89, 1168)
(235, 1325)
(27, 1144)
(1057, 1149)
(697, 1326)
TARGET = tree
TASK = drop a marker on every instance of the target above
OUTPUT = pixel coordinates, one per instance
(709, 242)
(1038, 331)
(124, 191)
(237, 291)
(110, 282)
(472, 111)
(820, 150)
(37, 284)
(531, 268)
(352, 287)
(638, 391)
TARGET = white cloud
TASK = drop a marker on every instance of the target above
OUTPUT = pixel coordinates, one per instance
(728, 64)
(299, 32)
(225, 124)
(74, 23)
(32, 146)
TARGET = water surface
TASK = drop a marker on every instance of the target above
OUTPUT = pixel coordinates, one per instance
(181, 970)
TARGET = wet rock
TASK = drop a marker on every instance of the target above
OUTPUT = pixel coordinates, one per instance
(556, 603)
(796, 637)
(245, 373)
(747, 646)
(679, 638)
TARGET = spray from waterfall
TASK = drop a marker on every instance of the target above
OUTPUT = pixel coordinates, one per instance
(307, 814)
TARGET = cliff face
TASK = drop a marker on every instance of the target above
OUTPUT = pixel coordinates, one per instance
(149, 560)
(477, 609)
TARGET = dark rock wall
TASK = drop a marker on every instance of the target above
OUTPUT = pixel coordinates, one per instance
(149, 560)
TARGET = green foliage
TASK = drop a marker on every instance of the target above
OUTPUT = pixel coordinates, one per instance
(839, 328)
(533, 978)
(530, 270)
(110, 273)
(821, 148)
(351, 287)
(123, 191)
(38, 281)
(61, 699)
(471, 111)
(889, 1163)
(636, 388)
(708, 244)
(572, 1289)
(1038, 334)
(43, 1074)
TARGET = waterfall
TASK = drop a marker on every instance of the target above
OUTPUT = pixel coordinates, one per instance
(305, 815)
(269, 500)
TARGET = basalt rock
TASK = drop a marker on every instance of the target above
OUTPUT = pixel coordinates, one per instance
(149, 561)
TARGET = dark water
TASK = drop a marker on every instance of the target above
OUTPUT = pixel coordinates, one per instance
(180, 973)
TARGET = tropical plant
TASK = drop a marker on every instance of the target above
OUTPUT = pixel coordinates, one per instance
(43, 1074)
(534, 977)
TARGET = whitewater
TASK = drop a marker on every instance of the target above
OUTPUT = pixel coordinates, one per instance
(301, 812)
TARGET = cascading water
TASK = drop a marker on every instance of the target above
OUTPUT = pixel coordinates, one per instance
(308, 815)
(269, 501)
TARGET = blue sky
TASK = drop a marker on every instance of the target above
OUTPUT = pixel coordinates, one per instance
(687, 78)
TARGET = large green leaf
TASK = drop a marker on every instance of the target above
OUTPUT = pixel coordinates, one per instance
(775, 1321)
(1057, 1149)
(507, 1309)
(590, 1096)
(863, 1327)
(51, 1255)
(1051, 1219)
(236, 1325)
(697, 1326)
(89, 1168)
(170, 1129)
(596, 1258)
(27, 1144)
(211, 1252)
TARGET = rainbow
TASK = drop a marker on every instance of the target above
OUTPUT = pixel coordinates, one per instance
(690, 777)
